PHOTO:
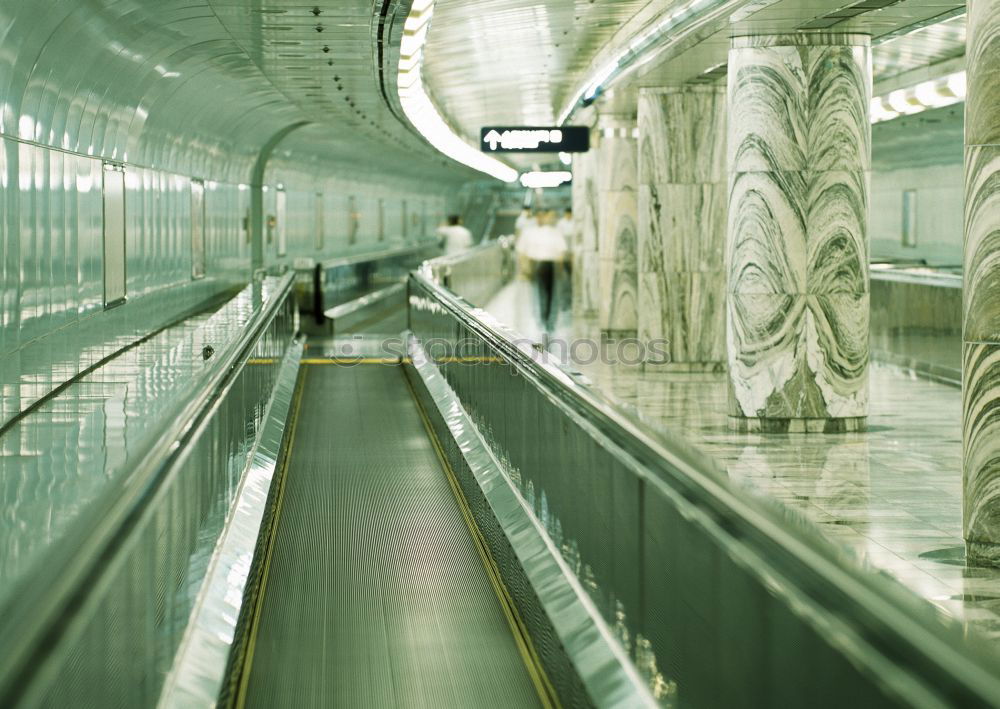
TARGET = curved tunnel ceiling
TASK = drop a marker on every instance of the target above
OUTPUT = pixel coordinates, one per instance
(198, 86)
(511, 61)
(525, 62)
(128, 79)
(333, 61)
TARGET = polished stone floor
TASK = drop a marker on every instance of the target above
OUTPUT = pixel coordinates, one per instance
(892, 495)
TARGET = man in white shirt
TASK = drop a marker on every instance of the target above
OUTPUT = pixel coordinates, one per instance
(524, 220)
(545, 247)
(454, 237)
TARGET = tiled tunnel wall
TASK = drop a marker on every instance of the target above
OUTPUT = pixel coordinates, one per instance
(352, 212)
(144, 111)
(54, 321)
(939, 204)
(922, 154)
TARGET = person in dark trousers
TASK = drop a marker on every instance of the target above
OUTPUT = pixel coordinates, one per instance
(545, 247)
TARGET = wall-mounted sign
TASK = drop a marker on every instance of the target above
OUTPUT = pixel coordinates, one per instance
(534, 139)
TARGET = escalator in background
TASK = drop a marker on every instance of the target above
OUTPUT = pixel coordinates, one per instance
(376, 589)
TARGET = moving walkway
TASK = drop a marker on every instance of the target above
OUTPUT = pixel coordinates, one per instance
(376, 591)
(463, 526)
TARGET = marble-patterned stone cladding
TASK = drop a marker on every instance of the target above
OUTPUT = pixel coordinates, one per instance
(586, 203)
(799, 157)
(682, 225)
(981, 306)
(618, 228)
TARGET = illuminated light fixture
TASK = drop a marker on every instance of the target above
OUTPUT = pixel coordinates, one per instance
(165, 73)
(881, 112)
(956, 83)
(541, 180)
(900, 102)
(565, 158)
(935, 93)
(419, 107)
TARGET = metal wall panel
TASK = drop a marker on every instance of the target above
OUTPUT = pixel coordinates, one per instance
(113, 197)
(53, 319)
(281, 217)
(197, 229)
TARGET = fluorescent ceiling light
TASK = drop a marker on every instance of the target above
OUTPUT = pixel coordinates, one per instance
(956, 83)
(944, 92)
(935, 93)
(538, 180)
(420, 109)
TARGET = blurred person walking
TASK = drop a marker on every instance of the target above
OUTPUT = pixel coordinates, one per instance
(455, 238)
(545, 248)
(526, 220)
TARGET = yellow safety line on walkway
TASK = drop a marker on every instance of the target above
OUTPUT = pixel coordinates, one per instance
(532, 661)
(272, 536)
(349, 361)
(342, 360)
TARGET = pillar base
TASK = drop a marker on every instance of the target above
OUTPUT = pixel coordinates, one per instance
(982, 553)
(618, 334)
(685, 368)
(854, 424)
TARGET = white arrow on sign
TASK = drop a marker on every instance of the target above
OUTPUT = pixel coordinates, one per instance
(493, 138)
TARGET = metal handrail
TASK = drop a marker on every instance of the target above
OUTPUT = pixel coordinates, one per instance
(886, 615)
(365, 301)
(459, 257)
(373, 255)
(50, 605)
(926, 277)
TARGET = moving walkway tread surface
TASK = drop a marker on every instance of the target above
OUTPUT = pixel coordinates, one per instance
(375, 594)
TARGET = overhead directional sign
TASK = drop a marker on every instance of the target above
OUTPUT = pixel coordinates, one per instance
(534, 139)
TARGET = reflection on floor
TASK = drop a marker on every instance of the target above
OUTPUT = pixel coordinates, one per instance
(893, 495)
(937, 357)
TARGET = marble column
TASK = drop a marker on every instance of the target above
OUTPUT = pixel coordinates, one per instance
(586, 291)
(799, 155)
(981, 306)
(682, 225)
(617, 225)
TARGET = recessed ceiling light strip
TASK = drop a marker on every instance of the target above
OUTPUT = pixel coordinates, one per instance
(419, 107)
(936, 93)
